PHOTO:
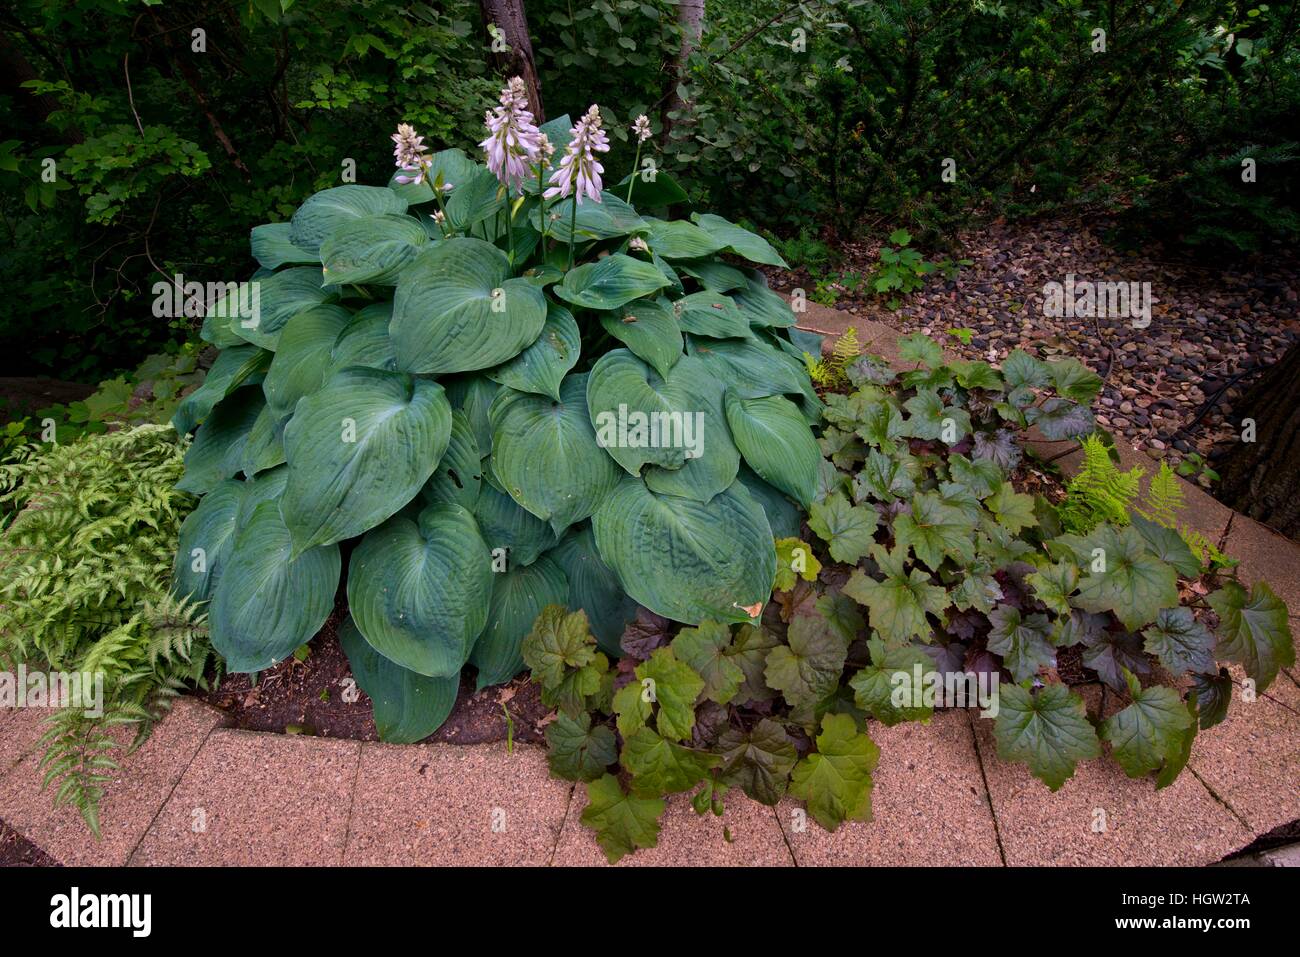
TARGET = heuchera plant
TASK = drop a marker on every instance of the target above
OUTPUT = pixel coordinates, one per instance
(924, 567)
(485, 391)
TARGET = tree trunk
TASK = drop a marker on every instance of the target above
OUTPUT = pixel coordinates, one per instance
(1262, 478)
(15, 70)
(690, 17)
(518, 60)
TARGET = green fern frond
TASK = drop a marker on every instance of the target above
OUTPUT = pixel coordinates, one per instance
(1163, 499)
(1100, 492)
(830, 372)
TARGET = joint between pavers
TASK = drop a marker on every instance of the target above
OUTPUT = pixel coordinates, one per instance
(776, 819)
(564, 823)
(1222, 800)
(352, 805)
(988, 792)
(130, 858)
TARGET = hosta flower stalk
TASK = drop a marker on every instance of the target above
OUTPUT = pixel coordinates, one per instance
(512, 144)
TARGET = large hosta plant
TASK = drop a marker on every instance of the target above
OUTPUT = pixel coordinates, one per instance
(479, 391)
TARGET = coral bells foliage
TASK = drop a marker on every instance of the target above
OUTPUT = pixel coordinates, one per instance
(579, 170)
(513, 142)
(432, 410)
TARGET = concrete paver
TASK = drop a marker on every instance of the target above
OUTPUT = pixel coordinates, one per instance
(257, 799)
(1102, 817)
(20, 730)
(929, 806)
(455, 804)
(131, 800)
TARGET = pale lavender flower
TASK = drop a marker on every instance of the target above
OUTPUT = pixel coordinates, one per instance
(512, 142)
(579, 170)
(641, 127)
(407, 153)
(544, 148)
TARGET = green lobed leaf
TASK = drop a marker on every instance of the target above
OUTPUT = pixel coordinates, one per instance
(835, 780)
(1253, 630)
(1049, 731)
(577, 751)
(622, 822)
(758, 761)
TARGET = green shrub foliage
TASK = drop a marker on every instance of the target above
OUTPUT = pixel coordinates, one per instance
(84, 589)
(443, 401)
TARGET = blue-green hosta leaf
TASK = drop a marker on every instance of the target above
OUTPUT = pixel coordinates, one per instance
(272, 247)
(408, 706)
(208, 532)
(541, 366)
(934, 530)
(710, 314)
(365, 342)
(848, 530)
(217, 452)
(776, 443)
(893, 667)
(1181, 642)
(750, 368)
(1049, 731)
(898, 601)
(835, 780)
(661, 190)
(1022, 641)
(594, 588)
(358, 450)
(680, 239)
(622, 822)
(641, 418)
(545, 454)
(705, 649)
(457, 310)
(1061, 419)
(713, 275)
(420, 591)
(761, 306)
(782, 514)
(302, 357)
(264, 446)
(1149, 731)
(453, 166)
(234, 367)
(740, 241)
(518, 597)
(608, 219)
(1253, 630)
(717, 463)
(474, 395)
(459, 474)
(1134, 584)
(649, 331)
(505, 524)
(688, 560)
(371, 250)
(578, 752)
(807, 668)
(476, 198)
(268, 602)
(279, 298)
(1074, 380)
(610, 282)
(323, 213)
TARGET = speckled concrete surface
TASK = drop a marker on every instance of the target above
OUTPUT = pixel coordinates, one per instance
(1102, 817)
(1252, 760)
(131, 801)
(444, 805)
(20, 730)
(257, 799)
(747, 835)
(928, 805)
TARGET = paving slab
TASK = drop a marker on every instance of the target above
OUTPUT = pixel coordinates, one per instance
(929, 805)
(20, 731)
(257, 799)
(1266, 554)
(873, 336)
(131, 800)
(1252, 760)
(1102, 817)
(447, 804)
(746, 835)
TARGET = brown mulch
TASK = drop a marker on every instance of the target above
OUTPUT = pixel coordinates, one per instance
(306, 697)
(1210, 324)
(17, 851)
